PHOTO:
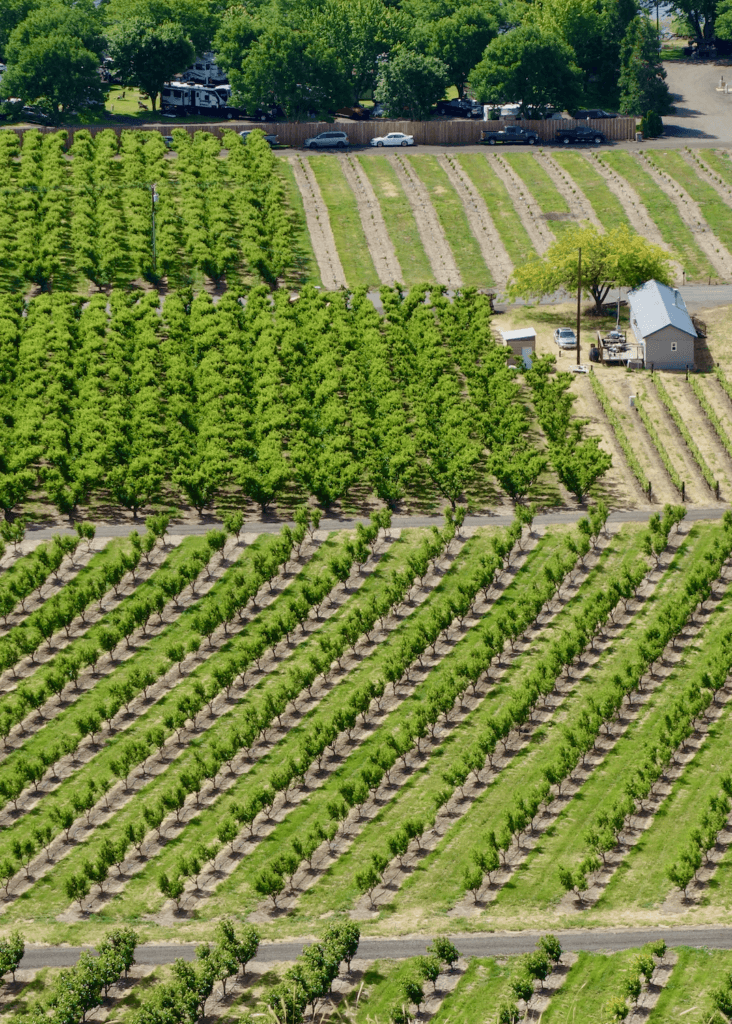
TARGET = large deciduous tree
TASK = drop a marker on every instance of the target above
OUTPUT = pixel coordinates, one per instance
(197, 18)
(53, 58)
(410, 83)
(453, 30)
(619, 257)
(642, 75)
(147, 54)
(530, 66)
(700, 16)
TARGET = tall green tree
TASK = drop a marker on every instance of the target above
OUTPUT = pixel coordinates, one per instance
(529, 66)
(147, 54)
(410, 83)
(198, 19)
(642, 75)
(53, 58)
(454, 31)
(700, 17)
(618, 257)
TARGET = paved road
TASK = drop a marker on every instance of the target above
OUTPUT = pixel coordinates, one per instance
(639, 515)
(507, 944)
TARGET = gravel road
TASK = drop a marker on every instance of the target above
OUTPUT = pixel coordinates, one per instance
(507, 944)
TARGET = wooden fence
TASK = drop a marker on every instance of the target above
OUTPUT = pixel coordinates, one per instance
(426, 133)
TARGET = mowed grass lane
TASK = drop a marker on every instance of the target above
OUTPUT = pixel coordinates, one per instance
(542, 188)
(238, 886)
(305, 269)
(606, 205)
(715, 211)
(535, 887)
(451, 214)
(416, 797)
(687, 995)
(664, 213)
(399, 219)
(451, 857)
(345, 222)
(591, 983)
(496, 197)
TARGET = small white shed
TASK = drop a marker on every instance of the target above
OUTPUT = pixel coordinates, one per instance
(521, 342)
(662, 326)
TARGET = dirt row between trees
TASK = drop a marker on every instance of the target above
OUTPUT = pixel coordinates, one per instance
(652, 990)
(120, 794)
(70, 567)
(318, 222)
(127, 716)
(307, 876)
(372, 221)
(27, 666)
(460, 804)
(486, 234)
(433, 238)
(526, 207)
(224, 864)
(690, 212)
(244, 761)
(635, 210)
(580, 207)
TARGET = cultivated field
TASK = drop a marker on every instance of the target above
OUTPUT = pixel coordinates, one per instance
(415, 731)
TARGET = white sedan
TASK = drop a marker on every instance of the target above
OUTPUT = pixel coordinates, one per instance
(393, 139)
(565, 337)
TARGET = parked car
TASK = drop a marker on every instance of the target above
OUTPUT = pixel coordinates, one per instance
(273, 140)
(565, 337)
(460, 108)
(35, 115)
(327, 140)
(512, 134)
(393, 139)
(595, 114)
(580, 134)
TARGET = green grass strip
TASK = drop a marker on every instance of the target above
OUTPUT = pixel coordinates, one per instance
(399, 219)
(620, 435)
(306, 270)
(685, 433)
(451, 214)
(665, 214)
(238, 884)
(606, 205)
(448, 860)
(152, 656)
(726, 384)
(659, 446)
(718, 162)
(542, 188)
(496, 197)
(642, 881)
(698, 972)
(592, 982)
(477, 996)
(711, 415)
(536, 885)
(416, 796)
(345, 222)
(716, 212)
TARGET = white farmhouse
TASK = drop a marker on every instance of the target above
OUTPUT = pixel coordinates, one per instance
(662, 327)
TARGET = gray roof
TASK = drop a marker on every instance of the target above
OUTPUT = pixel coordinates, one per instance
(654, 306)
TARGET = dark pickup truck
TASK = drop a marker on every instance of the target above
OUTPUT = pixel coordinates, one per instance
(510, 135)
(580, 134)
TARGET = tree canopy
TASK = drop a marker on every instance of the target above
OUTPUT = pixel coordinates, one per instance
(642, 76)
(410, 83)
(147, 54)
(53, 58)
(617, 258)
(529, 66)
(455, 32)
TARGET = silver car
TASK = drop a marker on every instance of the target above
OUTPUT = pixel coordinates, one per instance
(327, 140)
(565, 337)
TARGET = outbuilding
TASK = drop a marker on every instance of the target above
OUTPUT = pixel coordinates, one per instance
(662, 327)
(521, 342)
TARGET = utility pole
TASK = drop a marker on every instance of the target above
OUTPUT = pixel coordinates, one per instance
(579, 298)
